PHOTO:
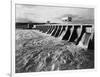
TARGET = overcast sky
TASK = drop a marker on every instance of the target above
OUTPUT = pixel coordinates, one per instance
(35, 13)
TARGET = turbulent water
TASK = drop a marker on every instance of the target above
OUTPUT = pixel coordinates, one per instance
(37, 52)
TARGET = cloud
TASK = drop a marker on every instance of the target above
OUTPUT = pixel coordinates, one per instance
(35, 13)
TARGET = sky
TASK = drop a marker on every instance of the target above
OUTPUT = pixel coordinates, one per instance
(54, 14)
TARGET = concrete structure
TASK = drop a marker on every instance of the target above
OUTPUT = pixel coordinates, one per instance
(80, 34)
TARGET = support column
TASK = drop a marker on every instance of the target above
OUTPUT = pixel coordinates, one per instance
(56, 31)
(67, 34)
(84, 42)
(53, 30)
(63, 33)
(62, 29)
(53, 33)
(79, 31)
(50, 30)
(71, 31)
(47, 30)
